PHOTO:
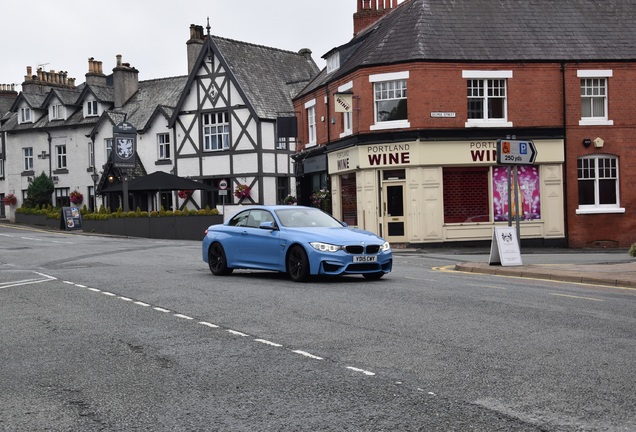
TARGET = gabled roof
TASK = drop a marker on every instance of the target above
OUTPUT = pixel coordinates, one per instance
(154, 97)
(68, 97)
(493, 31)
(267, 77)
(104, 94)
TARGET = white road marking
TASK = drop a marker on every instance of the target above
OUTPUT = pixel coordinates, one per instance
(361, 370)
(158, 309)
(109, 294)
(266, 342)
(577, 297)
(237, 333)
(306, 354)
(207, 324)
(125, 298)
(95, 290)
(142, 304)
(183, 316)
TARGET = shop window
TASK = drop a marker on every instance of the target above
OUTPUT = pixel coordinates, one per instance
(598, 185)
(466, 195)
(528, 206)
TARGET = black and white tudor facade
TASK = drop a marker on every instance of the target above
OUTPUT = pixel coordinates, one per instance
(225, 122)
(216, 123)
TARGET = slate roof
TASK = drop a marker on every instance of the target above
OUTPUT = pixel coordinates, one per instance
(269, 77)
(493, 31)
(152, 95)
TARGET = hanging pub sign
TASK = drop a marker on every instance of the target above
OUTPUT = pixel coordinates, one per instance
(343, 102)
(71, 219)
(124, 145)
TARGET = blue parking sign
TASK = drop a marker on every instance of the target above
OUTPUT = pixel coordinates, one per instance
(523, 148)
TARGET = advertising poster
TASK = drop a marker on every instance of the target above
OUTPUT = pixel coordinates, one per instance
(71, 218)
(528, 193)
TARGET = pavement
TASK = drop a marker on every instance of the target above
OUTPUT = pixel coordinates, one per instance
(613, 267)
(610, 267)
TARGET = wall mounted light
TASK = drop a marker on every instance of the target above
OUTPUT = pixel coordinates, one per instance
(587, 142)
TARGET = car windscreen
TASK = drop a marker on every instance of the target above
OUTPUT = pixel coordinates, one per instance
(306, 217)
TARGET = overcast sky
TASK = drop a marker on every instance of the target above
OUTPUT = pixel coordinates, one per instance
(151, 35)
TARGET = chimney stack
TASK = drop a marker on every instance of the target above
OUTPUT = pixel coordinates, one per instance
(125, 82)
(369, 12)
(194, 45)
(43, 81)
(95, 75)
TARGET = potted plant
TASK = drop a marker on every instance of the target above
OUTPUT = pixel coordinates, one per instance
(242, 191)
(76, 197)
(10, 200)
(290, 200)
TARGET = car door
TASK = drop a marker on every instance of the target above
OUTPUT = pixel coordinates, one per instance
(259, 247)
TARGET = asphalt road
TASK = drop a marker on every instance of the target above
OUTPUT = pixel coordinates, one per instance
(111, 334)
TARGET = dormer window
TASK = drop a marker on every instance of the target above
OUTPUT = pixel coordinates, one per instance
(91, 108)
(25, 115)
(56, 112)
(333, 62)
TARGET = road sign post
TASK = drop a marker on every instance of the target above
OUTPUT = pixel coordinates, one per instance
(223, 192)
(514, 153)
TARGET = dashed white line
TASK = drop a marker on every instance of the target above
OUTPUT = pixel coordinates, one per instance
(237, 333)
(266, 342)
(361, 370)
(125, 299)
(306, 354)
(95, 290)
(183, 316)
(158, 309)
(110, 294)
(207, 324)
(142, 304)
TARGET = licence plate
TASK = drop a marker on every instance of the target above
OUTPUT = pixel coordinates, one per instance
(364, 258)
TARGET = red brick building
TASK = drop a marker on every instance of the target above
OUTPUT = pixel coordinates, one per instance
(402, 125)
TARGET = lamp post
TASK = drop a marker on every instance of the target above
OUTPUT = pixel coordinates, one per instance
(95, 177)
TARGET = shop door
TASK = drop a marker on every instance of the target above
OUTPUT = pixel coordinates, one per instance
(394, 221)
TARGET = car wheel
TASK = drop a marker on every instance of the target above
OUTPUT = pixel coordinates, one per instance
(217, 260)
(373, 276)
(297, 264)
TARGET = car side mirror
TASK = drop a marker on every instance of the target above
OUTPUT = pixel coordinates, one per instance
(270, 225)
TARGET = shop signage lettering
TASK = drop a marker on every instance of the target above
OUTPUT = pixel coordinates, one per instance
(483, 151)
(342, 160)
(397, 154)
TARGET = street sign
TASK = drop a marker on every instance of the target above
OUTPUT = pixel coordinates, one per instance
(516, 152)
(222, 184)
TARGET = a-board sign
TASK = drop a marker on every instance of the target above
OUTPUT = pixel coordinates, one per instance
(71, 218)
(504, 249)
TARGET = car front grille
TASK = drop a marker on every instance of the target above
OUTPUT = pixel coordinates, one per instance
(359, 250)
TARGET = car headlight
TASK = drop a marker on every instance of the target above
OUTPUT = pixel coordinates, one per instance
(325, 247)
(385, 247)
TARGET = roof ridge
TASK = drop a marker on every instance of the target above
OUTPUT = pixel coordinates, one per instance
(257, 45)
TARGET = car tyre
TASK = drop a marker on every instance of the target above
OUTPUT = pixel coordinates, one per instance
(297, 264)
(217, 260)
(373, 276)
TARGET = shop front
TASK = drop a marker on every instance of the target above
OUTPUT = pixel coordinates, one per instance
(446, 191)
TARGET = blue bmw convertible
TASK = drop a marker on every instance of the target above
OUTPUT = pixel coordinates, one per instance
(300, 241)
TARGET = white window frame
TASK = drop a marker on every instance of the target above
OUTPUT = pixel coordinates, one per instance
(27, 157)
(26, 115)
(333, 62)
(91, 154)
(60, 156)
(347, 117)
(598, 208)
(587, 75)
(216, 127)
(1, 168)
(310, 106)
(397, 78)
(92, 108)
(57, 112)
(108, 147)
(163, 146)
(484, 76)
